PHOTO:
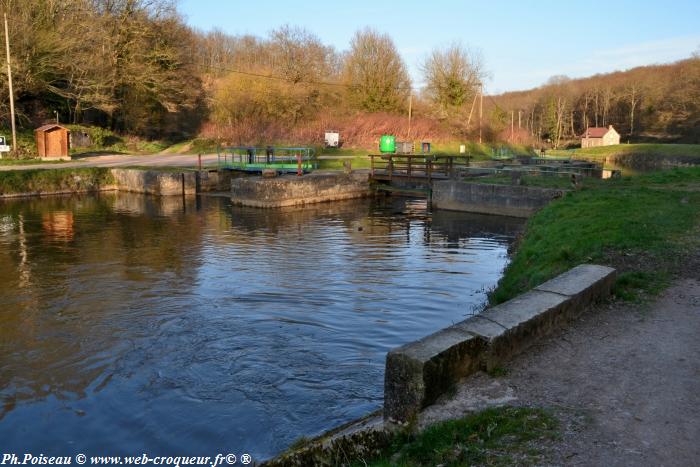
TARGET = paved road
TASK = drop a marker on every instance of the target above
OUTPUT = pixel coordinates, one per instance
(123, 160)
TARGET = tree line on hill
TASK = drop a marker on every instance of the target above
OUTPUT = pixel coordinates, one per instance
(648, 103)
(135, 67)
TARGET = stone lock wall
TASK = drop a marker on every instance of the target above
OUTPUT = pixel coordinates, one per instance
(292, 190)
(504, 200)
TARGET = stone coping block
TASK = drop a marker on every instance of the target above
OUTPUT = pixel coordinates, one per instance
(291, 190)
(419, 372)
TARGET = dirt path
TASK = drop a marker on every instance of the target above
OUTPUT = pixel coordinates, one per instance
(624, 379)
(123, 160)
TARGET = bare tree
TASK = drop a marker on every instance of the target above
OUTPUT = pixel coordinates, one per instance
(375, 73)
(301, 56)
(453, 77)
(633, 96)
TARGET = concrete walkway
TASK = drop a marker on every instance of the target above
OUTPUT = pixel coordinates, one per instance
(624, 380)
(124, 160)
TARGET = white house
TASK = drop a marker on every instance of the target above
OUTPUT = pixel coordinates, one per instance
(597, 136)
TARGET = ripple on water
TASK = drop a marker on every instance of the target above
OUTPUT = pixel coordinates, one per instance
(133, 325)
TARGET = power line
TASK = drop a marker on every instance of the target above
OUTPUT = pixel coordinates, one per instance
(282, 78)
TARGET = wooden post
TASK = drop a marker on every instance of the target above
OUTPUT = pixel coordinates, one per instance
(299, 171)
(9, 84)
(199, 161)
(371, 165)
(429, 168)
(409, 168)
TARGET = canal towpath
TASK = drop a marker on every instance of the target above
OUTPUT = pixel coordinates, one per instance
(122, 160)
(624, 380)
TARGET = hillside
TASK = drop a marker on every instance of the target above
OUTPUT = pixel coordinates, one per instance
(139, 70)
(645, 104)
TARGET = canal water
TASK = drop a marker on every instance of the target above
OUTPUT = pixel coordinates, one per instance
(131, 324)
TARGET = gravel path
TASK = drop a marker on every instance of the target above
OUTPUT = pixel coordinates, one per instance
(624, 379)
(123, 160)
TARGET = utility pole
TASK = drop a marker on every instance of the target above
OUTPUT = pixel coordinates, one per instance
(519, 119)
(512, 118)
(410, 105)
(481, 109)
(9, 82)
(471, 111)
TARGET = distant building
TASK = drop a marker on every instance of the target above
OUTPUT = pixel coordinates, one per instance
(598, 136)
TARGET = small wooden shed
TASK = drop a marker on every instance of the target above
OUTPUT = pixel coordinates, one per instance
(53, 141)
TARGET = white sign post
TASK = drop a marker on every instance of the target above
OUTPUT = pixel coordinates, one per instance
(3, 146)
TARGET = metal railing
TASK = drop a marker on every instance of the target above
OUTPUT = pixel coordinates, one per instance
(257, 159)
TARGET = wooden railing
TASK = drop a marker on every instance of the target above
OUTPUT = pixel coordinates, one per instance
(416, 167)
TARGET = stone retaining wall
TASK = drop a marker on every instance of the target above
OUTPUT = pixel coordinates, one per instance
(153, 182)
(418, 372)
(291, 190)
(504, 200)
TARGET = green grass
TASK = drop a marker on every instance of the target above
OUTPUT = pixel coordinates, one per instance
(103, 140)
(28, 162)
(640, 225)
(675, 151)
(483, 151)
(50, 180)
(26, 145)
(497, 372)
(560, 182)
(495, 436)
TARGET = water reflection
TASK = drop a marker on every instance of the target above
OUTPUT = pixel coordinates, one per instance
(135, 324)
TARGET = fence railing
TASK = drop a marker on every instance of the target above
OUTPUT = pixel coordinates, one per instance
(256, 159)
(416, 167)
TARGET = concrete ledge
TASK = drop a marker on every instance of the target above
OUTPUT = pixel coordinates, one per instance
(355, 440)
(418, 372)
(294, 191)
(504, 200)
(34, 194)
(153, 182)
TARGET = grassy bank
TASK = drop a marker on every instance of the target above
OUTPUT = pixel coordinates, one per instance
(680, 153)
(641, 225)
(562, 182)
(54, 180)
(496, 436)
(102, 141)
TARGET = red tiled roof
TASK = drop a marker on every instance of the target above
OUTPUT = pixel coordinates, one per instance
(595, 132)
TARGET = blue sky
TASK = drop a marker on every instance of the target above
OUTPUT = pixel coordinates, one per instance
(523, 43)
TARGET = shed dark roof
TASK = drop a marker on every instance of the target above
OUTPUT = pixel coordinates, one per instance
(51, 126)
(595, 132)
